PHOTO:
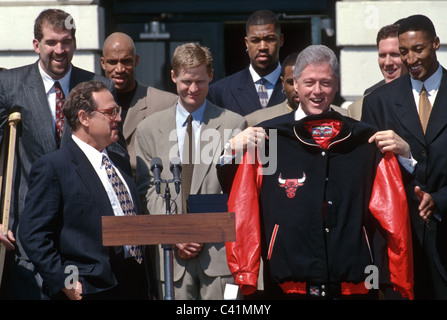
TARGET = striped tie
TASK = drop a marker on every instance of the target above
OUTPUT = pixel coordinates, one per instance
(262, 93)
(124, 200)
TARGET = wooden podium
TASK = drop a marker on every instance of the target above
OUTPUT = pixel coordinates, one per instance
(168, 229)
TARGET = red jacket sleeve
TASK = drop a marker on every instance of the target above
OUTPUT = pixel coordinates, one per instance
(389, 206)
(243, 255)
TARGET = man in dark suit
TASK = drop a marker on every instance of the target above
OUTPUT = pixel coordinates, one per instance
(70, 190)
(31, 90)
(239, 92)
(395, 108)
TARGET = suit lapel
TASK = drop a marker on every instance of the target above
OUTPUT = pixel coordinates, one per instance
(246, 95)
(277, 94)
(34, 90)
(167, 142)
(135, 114)
(406, 110)
(89, 178)
(438, 114)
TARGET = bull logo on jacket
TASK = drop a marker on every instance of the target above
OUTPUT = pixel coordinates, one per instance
(291, 185)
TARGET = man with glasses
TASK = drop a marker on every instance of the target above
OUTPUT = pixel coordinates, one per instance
(70, 190)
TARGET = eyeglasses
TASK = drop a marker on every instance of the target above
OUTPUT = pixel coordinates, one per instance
(110, 113)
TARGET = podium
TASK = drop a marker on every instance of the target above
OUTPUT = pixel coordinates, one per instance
(167, 230)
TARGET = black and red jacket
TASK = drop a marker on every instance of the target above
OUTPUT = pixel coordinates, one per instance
(320, 208)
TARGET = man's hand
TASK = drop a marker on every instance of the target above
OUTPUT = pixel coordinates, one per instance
(188, 250)
(8, 240)
(74, 293)
(251, 136)
(427, 205)
(388, 140)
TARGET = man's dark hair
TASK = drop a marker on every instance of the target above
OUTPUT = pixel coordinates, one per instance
(289, 61)
(262, 17)
(81, 98)
(59, 19)
(417, 22)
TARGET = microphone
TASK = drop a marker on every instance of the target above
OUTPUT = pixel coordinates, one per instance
(176, 169)
(157, 168)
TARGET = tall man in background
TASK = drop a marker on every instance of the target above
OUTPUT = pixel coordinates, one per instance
(257, 86)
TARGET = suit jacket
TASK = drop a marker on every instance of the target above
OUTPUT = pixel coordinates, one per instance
(146, 101)
(392, 106)
(268, 113)
(156, 137)
(237, 93)
(61, 223)
(355, 108)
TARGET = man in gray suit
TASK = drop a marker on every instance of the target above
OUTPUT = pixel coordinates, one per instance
(200, 270)
(138, 101)
(31, 89)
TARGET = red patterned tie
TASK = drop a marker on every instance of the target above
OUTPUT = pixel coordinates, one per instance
(60, 99)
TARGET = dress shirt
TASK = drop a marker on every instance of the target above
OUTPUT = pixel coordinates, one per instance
(431, 85)
(271, 78)
(181, 116)
(50, 90)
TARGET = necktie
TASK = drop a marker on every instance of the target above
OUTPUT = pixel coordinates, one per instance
(262, 93)
(124, 200)
(424, 108)
(60, 99)
(187, 164)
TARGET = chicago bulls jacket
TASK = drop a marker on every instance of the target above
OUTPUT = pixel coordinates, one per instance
(329, 196)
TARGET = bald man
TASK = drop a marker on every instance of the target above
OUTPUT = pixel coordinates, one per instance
(138, 101)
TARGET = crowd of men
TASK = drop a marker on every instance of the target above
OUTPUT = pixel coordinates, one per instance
(344, 195)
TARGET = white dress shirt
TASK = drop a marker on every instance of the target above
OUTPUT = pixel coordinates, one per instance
(181, 116)
(50, 90)
(271, 78)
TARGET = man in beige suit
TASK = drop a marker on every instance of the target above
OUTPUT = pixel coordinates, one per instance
(138, 101)
(200, 271)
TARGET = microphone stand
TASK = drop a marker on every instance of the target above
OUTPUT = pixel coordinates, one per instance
(167, 248)
(168, 251)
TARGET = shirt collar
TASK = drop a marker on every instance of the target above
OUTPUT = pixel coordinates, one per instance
(299, 112)
(48, 82)
(197, 115)
(93, 155)
(272, 78)
(431, 84)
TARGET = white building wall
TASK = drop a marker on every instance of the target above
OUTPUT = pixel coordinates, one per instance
(17, 31)
(357, 24)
